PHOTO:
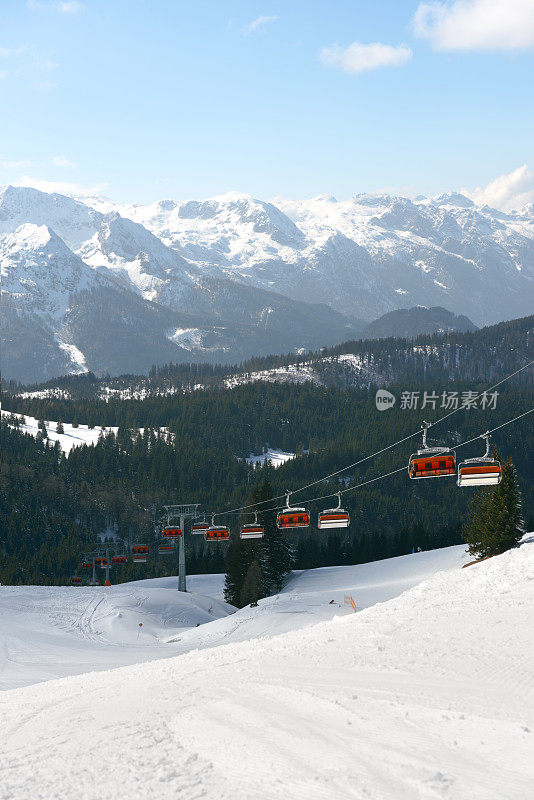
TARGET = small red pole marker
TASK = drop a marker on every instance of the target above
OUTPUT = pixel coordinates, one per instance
(139, 631)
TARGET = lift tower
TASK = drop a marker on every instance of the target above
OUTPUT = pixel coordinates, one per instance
(181, 512)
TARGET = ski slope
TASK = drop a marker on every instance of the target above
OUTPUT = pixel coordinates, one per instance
(51, 632)
(71, 437)
(426, 695)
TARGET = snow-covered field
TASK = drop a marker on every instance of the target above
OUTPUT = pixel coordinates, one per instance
(426, 695)
(50, 632)
(290, 374)
(82, 434)
(71, 436)
(276, 457)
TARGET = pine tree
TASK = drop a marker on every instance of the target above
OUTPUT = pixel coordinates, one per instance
(495, 521)
(277, 556)
(59, 427)
(236, 570)
(273, 553)
(253, 588)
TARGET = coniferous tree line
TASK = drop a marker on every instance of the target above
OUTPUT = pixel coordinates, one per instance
(53, 508)
(257, 568)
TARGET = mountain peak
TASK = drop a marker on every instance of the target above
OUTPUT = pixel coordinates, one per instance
(32, 237)
(453, 199)
(235, 258)
(232, 197)
(324, 198)
(412, 322)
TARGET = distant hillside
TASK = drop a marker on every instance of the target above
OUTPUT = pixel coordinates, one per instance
(411, 322)
(487, 354)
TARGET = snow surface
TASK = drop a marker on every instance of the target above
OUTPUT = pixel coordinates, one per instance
(427, 695)
(40, 273)
(188, 338)
(49, 632)
(71, 437)
(76, 629)
(276, 457)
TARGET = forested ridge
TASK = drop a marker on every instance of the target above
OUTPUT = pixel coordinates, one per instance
(486, 354)
(53, 507)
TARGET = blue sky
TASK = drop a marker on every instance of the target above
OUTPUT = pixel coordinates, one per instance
(152, 98)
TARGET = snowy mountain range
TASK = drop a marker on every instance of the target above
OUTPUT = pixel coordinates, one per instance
(92, 285)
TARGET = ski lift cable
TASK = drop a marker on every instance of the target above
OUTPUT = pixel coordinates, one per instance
(507, 423)
(411, 435)
(342, 491)
(462, 444)
(389, 447)
(378, 452)
(395, 471)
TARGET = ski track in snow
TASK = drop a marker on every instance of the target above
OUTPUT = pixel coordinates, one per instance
(426, 695)
(79, 628)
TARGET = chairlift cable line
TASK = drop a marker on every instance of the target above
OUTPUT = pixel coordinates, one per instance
(400, 441)
(401, 469)
(379, 452)
(395, 471)
(506, 423)
(371, 480)
(383, 450)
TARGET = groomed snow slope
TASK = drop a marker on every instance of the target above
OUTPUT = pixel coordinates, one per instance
(428, 695)
(275, 457)
(51, 632)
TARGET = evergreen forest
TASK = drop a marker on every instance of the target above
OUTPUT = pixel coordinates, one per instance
(193, 448)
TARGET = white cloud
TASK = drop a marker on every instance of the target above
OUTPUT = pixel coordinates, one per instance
(62, 161)
(70, 7)
(358, 57)
(45, 86)
(507, 192)
(476, 24)
(62, 187)
(259, 22)
(30, 64)
(6, 164)
(8, 52)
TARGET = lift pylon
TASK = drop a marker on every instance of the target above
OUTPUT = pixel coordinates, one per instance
(181, 512)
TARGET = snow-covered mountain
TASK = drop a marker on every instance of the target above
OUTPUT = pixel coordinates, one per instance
(232, 276)
(363, 256)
